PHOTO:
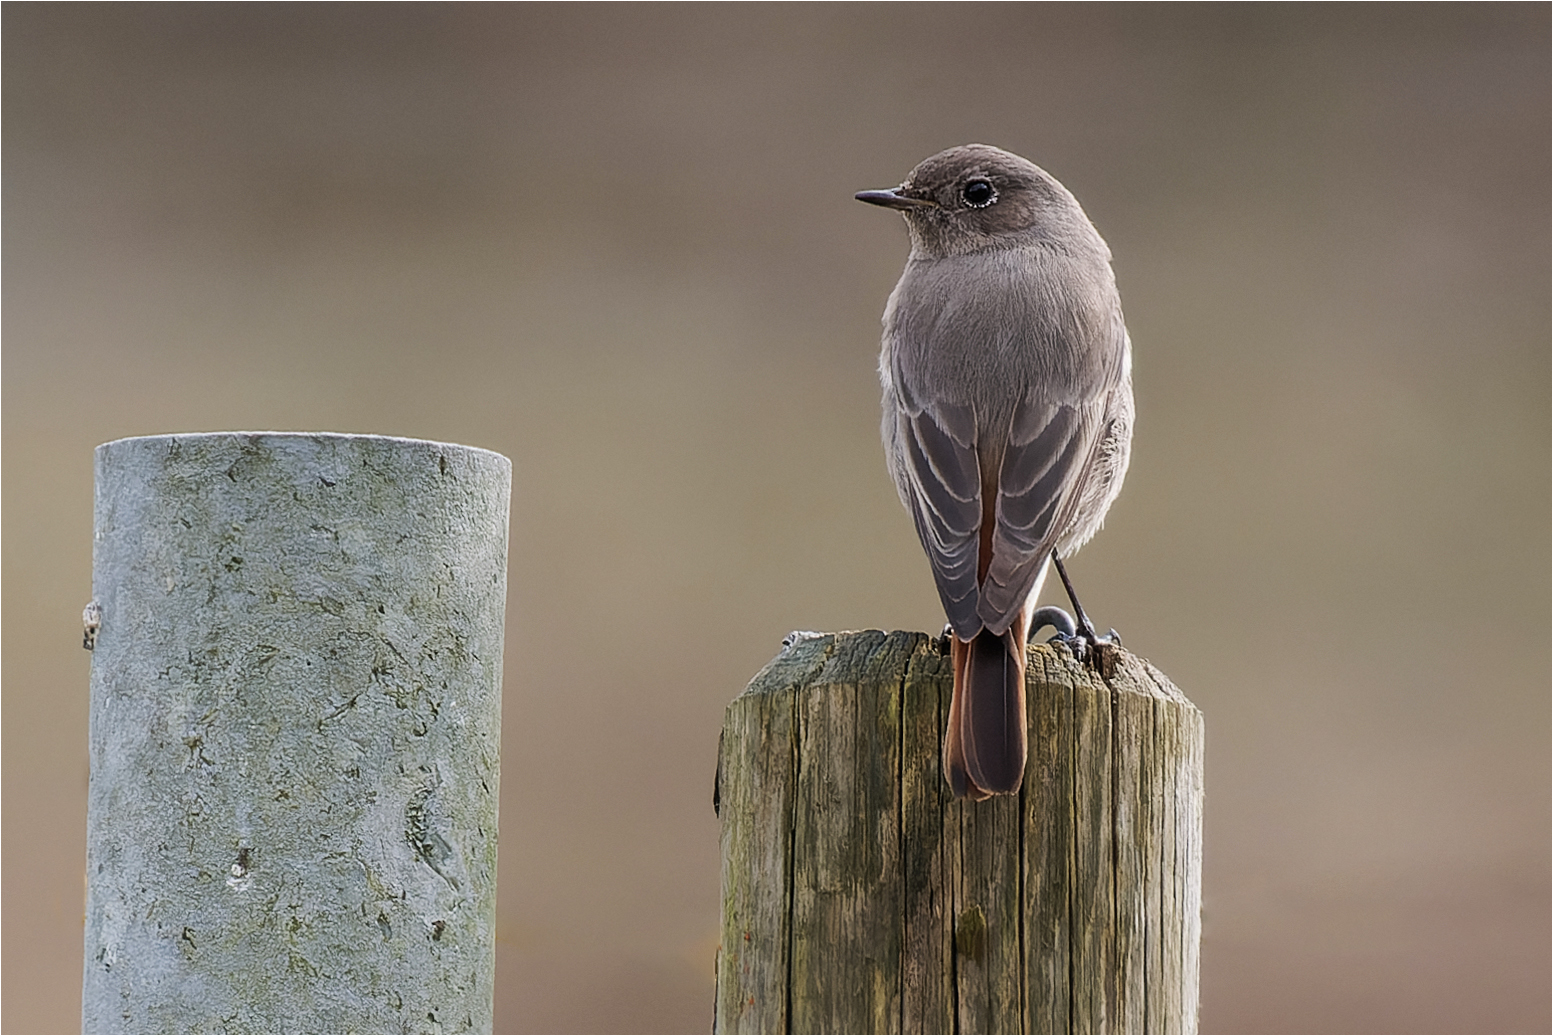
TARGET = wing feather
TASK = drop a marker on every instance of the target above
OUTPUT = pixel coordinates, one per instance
(943, 491)
(1049, 448)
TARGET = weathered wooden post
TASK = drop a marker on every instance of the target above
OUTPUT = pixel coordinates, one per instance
(858, 896)
(295, 734)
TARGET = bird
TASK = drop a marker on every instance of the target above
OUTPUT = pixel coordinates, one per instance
(1006, 370)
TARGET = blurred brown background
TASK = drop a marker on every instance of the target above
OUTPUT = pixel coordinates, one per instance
(619, 245)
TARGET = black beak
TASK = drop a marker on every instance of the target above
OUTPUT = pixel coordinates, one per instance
(893, 199)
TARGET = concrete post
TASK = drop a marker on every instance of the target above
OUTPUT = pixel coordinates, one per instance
(295, 734)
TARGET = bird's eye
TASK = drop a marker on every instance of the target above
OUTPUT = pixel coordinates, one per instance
(978, 193)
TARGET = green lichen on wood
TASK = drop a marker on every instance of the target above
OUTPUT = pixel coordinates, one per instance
(858, 896)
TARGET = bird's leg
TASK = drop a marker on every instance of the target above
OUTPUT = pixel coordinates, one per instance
(1084, 625)
(1085, 632)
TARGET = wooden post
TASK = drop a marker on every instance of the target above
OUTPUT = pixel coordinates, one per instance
(858, 896)
(295, 734)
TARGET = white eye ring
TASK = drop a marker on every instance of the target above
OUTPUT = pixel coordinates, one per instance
(978, 192)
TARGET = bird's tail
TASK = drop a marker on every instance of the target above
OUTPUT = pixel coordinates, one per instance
(984, 748)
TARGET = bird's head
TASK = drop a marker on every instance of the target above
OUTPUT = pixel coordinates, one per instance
(974, 197)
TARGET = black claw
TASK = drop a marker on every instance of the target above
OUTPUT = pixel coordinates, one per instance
(1056, 618)
(1077, 645)
(1083, 646)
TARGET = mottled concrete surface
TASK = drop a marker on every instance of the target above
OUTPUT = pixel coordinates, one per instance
(295, 734)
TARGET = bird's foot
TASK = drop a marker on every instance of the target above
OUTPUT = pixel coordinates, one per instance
(1079, 637)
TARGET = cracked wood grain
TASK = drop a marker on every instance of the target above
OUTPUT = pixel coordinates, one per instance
(859, 896)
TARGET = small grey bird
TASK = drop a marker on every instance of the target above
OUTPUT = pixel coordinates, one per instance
(1007, 377)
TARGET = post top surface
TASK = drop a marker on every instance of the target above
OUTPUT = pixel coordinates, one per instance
(298, 436)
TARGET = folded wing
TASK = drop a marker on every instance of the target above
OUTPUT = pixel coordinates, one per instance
(1050, 448)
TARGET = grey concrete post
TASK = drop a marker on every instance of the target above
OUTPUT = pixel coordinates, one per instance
(295, 734)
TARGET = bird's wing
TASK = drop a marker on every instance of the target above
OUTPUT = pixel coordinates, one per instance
(940, 481)
(1050, 448)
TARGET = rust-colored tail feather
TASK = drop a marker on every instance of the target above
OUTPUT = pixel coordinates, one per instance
(984, 747)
